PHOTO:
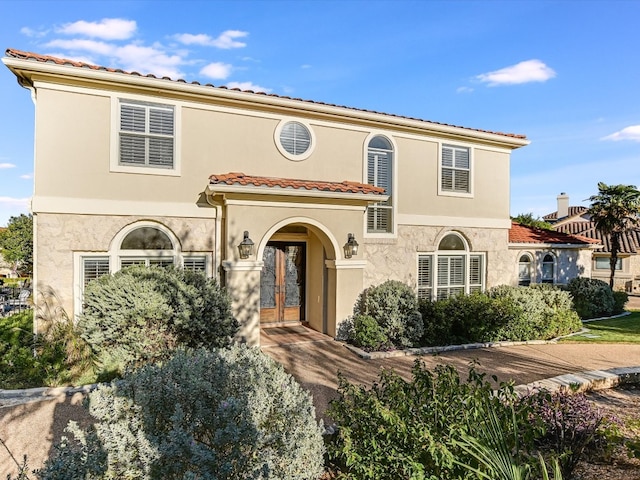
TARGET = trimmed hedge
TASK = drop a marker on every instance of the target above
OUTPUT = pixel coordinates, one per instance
(594, 298)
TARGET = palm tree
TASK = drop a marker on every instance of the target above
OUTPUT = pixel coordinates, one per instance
(614, 211)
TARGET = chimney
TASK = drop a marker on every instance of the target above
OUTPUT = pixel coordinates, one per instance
(563, 205)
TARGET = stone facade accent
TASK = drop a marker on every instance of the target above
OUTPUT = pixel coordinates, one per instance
(59, 236)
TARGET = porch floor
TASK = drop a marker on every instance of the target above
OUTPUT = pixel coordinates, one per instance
(290, 335)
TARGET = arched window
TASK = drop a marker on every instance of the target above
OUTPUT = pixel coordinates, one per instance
(524, 270)
(380, 174)
(148, 246)
(451, 270)
(548, 269)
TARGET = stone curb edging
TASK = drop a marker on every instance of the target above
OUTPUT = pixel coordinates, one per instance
(448, 348)
(9, 398)
(585, 381)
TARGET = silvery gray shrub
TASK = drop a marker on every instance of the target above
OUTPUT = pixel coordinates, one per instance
(221, 414)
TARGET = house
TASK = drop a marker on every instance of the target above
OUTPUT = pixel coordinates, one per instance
(324, 200)
(547, 256)
(577, 221)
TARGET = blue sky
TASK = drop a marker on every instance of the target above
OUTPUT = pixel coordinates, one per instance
(564, 73)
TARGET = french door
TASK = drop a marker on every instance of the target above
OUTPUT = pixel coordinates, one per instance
(282, 282)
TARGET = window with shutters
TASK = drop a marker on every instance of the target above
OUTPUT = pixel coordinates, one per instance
(380, 174)
(294, 139)
(93, 268)
(145, 137)
(455, 170)
(451, 270)
(144, 243)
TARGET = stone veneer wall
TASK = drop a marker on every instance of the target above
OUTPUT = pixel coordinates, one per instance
(397, 259)
(58, 236)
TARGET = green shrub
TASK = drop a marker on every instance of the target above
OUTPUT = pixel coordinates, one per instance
(394, 305)
(541, 312)
(592, 298)
(368, 334)
(410, 429)
(142, 314)
(620, 299)
(227, 413)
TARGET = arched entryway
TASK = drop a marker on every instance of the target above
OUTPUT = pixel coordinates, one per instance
(295, 287)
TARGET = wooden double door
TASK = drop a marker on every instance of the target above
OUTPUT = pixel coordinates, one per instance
(282, 282)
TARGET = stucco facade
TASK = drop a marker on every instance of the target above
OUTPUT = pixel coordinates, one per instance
(300, 177)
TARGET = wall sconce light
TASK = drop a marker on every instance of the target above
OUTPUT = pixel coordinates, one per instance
(246, 246)
(351, 247)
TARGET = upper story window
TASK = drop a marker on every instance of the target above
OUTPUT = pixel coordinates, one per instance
(295, 140)
(146, 135)
(380, 174)
(455, 170)
(450, 271)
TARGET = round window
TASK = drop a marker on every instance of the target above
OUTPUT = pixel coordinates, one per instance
(295, 140)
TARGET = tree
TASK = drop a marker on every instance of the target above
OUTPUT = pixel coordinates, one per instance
(16, 243)
(528, 220)
(614, 211)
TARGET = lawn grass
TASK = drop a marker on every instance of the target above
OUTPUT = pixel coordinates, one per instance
(615, 330)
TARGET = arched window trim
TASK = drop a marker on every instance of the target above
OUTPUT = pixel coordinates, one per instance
(545, 277)
(393, 200)
(444, 273)
(120, 257)
(531, 268)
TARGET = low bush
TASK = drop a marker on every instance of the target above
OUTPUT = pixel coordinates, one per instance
(368, 334)
(226, 413)
(502, 313)
(592, 298)
(394, 305)
(143, 314)
(620, 299)
(572, 426)
(410, 429)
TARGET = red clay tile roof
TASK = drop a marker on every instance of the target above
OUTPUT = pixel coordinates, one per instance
(524, 234)
(236, 178)
(13, 53)
(579, 210)
(629, 241)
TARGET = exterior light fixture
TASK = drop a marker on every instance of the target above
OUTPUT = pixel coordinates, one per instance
(351, 247)
(246, 246)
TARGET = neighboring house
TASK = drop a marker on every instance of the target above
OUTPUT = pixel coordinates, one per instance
(547, 256)
(134, 169)
(575, 220)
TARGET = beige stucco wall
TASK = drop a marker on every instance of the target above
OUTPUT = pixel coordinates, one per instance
(625, 279)
(570, 262)
(74, 141)
(59, 236)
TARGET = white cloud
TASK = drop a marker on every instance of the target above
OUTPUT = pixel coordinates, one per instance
(149, 60)
(225, 40)
(464, 90)
(30, 32)
(523, 72)
(15, 202)
(27, 176)
(107, 28)
(305, 66)
(627, 133)
(93, 46)
(248, 86)
(217, 70)
(6, 165)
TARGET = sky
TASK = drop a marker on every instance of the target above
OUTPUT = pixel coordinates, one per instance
(564, 73)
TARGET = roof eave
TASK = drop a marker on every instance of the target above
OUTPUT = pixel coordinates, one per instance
(214, 189)
(23, 68)
(565, 246)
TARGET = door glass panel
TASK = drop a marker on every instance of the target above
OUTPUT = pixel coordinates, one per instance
(294, 275)
(268, 279)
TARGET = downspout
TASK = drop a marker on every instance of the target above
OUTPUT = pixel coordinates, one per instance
(34, 271)
(217, 253)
